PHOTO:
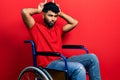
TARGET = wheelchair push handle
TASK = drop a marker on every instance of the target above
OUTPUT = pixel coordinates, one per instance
(28, 41)
(32, 43)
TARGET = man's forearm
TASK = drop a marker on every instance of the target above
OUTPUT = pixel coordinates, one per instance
(68, 18)
(71, 22)
(27, 16)
(31, 11)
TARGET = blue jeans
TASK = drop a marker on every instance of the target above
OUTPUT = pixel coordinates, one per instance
(77, 66)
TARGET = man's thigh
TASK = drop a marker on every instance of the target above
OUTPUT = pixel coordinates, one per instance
(84, 59)
(60, 65)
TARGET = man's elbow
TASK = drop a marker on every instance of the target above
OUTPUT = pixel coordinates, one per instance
(75, 23)
(23, 12)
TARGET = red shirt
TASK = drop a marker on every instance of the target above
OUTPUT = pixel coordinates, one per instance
(47, 40)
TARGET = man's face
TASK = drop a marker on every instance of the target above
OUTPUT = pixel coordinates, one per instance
(50, 18)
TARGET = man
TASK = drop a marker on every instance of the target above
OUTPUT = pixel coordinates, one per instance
(47, 37)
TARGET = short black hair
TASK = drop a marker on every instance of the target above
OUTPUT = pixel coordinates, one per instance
(51, 6)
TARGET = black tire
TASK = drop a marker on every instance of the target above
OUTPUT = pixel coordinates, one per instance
(33, 73)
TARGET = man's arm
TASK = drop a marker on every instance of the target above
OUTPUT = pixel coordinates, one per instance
(27, 15)
(71, 22)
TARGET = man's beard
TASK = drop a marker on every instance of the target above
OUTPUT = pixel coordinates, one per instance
(49, 25)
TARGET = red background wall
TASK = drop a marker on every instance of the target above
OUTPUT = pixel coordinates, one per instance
(98, 30)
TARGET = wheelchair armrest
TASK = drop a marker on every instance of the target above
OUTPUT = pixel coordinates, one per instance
(48, 54)
(75, 47)
(54, 54)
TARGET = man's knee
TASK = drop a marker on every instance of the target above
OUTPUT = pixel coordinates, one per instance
(78, 72)
(81, 69)
(94, 58)
(77, 68)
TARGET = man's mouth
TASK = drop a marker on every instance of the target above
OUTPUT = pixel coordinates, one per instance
(52, 22)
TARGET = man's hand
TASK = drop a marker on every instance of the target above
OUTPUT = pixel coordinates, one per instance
(59, 9)
(41, 6)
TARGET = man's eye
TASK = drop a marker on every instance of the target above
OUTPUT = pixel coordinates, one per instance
(50, 15)
(56, 15)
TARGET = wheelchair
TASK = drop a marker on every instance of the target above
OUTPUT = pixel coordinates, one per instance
(38, 73)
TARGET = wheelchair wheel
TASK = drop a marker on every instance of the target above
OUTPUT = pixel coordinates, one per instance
(34, 73)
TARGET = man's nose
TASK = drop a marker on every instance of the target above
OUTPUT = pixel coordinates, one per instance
(53, 18)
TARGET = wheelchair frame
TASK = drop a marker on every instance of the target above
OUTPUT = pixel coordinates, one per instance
(42, 73)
